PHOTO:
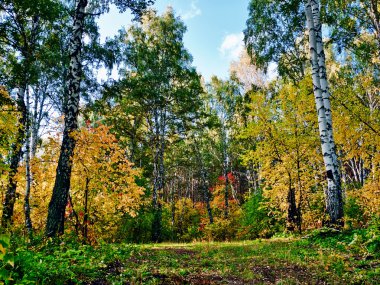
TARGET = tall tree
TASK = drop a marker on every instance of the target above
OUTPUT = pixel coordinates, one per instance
(163, 83)
(55, 220)
(225, 99)
(284, 129)
(21, 36)
(281, 24)
(334, 200)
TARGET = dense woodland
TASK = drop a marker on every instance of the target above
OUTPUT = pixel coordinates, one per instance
(161, 154)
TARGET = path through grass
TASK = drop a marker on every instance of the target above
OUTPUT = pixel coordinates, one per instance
(275, 261)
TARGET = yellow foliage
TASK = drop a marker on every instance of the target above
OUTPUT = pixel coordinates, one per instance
(8, 124)
(284, 125)
(110, 177)
(368, 199)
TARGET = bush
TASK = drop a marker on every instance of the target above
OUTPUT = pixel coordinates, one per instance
(372, 242)
(258, 219)
(66, 262)
(6, 259)
(186, 221)
(221, 230)
(136, 229)
(353, 213)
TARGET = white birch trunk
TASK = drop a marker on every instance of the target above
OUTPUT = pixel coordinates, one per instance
(28, 221)
(40, 97)
(323, 75)
(34, 133)
(56, 212)
(333, 194)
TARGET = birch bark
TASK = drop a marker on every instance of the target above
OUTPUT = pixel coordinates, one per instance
(333, 193)
(225, 171)
(40, 97)
(158, 172)
(28, 220)
(57, 205)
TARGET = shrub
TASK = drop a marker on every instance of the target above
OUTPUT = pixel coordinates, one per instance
(6, 259)
(353, 213)
(136, 229)
(258, 219)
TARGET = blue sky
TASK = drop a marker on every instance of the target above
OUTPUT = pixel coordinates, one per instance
(214, 30)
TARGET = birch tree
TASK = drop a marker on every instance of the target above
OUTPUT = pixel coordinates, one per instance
(279, 32)
(21, 36)
(163, 84)
(57, 205)
(55, 220)
(225, 99)
(333, 193)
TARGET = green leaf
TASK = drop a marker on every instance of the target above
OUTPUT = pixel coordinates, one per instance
(5, 274)
(9, 259)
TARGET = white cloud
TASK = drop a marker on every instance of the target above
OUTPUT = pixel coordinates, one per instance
(193, 12)
(232, 46)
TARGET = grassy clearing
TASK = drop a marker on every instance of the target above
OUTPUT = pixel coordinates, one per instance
(328, 260)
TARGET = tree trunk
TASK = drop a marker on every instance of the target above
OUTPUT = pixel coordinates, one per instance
(10, 195)
(58, 202)
(299, 184)
(172, 200)
(34, 127)
(323, 80)
(292, 218)
(204, 181)
(206, 193)
(225, 173)
(158, 175)
(28, 220)
(37, 119)
(85, 214)
(77, 223)
(292, 209)
(333, 194)
(226, 184)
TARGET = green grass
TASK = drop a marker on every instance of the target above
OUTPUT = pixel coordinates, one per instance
(314, 260)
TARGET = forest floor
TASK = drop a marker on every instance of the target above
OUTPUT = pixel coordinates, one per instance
(338, 260)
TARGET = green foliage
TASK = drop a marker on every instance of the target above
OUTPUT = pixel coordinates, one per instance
(186, 220)
(354, 27)
(7, 262)
(221, 230)
(275, 33)
(136, 229)
(258, 219)
(353, 212)
(362, 241)
(67, 262)
(373, 236)
(331, 260)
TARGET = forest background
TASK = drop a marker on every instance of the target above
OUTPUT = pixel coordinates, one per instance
(160, 153)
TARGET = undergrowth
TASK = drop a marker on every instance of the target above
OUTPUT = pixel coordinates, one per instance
(320, 257)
